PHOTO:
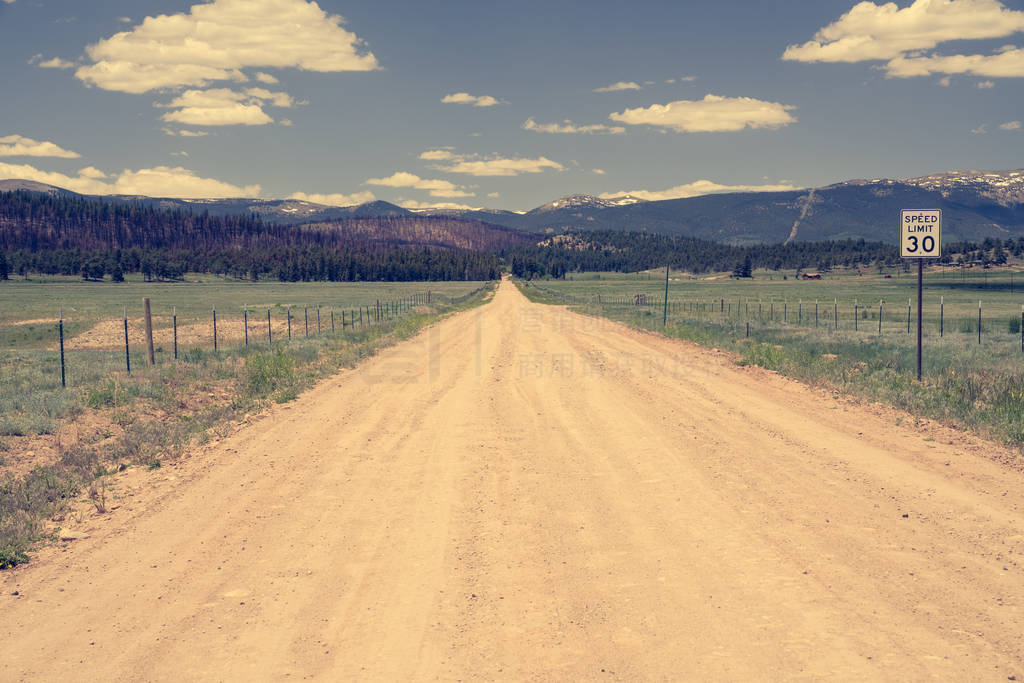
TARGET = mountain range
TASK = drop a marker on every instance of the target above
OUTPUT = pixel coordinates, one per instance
(975, 205)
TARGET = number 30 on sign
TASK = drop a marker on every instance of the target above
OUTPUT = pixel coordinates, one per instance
(920, 233)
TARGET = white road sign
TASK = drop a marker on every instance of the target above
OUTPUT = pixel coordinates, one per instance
(921, 233)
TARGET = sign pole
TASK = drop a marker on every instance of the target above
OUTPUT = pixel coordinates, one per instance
(920, 310)
(920, 238)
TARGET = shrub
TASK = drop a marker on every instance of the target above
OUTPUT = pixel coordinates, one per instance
(268, 372)
(102, 395)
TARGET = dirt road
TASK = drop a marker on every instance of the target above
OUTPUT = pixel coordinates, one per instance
(522, 492)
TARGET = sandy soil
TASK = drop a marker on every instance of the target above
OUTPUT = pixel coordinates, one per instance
(525, 493)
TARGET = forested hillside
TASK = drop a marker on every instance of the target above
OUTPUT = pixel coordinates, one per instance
(634, 251)
(72, 235)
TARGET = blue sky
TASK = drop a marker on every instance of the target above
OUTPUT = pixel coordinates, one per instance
(506, 105)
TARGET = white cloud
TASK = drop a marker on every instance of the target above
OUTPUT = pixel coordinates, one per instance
(182, 153)
(217, 107)
(980, 130)
(161, 181)
(412, 204)
(493, 195)
(498, 166)
(437, 188)
(621, 85)
(56, 63)
(20, 146)
(277, 99)
(945, 82)
(437, 155)
(986, 85)
(84, 184)
(712, 114)
(688, 79)
(265, 78)
(286, 122)
(164, 181)
(695, 189)
(883, 32)
(216, 40)
(91, 172)
(466, 98)
(568, 126)
(1005, 64)
(186, 133)
(334, 199)
(1010, 125)
(125, 20)
(598, 171)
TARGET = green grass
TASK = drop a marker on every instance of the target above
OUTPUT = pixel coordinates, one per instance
(975, 386)
(240, 378)
(86, 303)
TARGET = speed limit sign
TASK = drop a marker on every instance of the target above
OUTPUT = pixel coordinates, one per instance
(921, 233)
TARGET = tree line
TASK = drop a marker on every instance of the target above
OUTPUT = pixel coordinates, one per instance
(52, 234)
(68, 235)
(613, 251)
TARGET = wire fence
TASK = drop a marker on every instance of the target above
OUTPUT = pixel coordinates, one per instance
(168, 336)
(879, 317)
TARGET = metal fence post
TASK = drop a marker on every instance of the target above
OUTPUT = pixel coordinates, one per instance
(149, 330)
(60, 330)
(127, 357)
(979, 322)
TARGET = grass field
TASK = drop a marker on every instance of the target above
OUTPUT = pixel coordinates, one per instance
(55, 440)
(85, 304)
(1001, 294)
(979, 386)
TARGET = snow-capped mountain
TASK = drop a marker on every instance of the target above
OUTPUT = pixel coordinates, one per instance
(575, 201)
(976, 204)
(1006, 188)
